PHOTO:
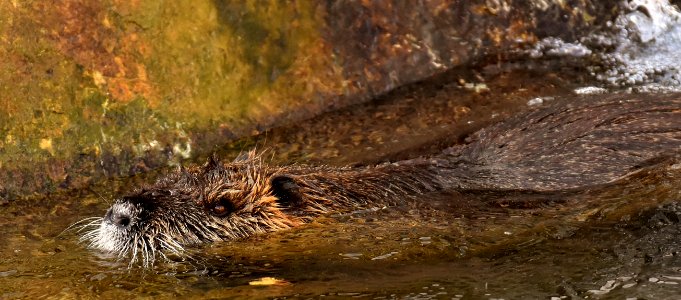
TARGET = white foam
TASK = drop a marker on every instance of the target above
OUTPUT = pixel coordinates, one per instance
(640, 50)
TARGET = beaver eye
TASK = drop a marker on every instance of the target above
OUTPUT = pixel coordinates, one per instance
(221, 209)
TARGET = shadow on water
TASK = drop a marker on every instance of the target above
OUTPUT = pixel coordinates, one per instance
(617, 239)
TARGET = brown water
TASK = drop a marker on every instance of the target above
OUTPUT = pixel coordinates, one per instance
(619, 241)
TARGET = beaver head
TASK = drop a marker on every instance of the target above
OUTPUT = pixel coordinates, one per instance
(215, 202)
(219, 202)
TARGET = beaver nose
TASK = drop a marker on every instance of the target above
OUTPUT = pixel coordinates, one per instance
(119, 218)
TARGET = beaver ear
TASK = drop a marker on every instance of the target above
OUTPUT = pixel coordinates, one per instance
(286, 190)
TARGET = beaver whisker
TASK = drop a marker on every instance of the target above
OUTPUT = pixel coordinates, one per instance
(89, 237)
(173, 245)
(120, 255)
(88, 227)
(167, 247)
(146, 252)
(95, 223)
(135, 250)
(94, 220)
(130, 250)
(88, 232)
(173, 248)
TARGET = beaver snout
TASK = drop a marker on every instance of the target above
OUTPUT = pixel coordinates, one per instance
(122, 214)
(117, 218)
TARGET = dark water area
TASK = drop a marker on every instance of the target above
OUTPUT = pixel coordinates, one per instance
(617, 241)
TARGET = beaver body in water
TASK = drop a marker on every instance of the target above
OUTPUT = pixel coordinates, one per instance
(562, 146)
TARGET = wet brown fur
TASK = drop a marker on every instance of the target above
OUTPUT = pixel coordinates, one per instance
(562, 146)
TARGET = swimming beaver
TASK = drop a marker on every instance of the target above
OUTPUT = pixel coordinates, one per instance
(561, 146)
